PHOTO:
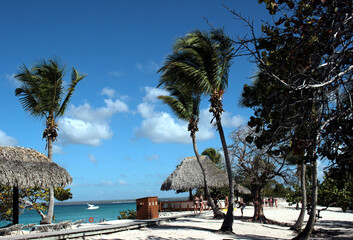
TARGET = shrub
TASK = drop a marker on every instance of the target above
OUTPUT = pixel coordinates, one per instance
(129, 214)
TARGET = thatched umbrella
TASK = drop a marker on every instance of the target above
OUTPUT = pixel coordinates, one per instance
(240, 189)
(188, 175)
(26, 168)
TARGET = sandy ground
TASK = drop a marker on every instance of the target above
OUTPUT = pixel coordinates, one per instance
(334, 224)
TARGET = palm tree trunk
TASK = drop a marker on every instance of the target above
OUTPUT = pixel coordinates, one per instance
(227, 225)
(49, 217)
(299, 223)
(216, 212)
(305, 234)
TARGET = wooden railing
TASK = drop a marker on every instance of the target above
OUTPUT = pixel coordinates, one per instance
(176, 206)
(182, 206)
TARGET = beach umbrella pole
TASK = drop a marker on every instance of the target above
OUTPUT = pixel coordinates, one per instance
(15, 206)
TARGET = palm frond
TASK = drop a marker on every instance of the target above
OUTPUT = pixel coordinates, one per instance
(176, 106)
(76, 77)
(42, 88)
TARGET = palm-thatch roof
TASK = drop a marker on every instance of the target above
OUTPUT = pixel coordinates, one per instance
(240, 189)
(25, 168)
(188, 175)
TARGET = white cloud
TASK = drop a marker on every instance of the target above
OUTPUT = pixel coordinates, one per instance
(148, 67)
(232, 121)
(92, 159)
(153, 93)
(80, 132)
(107, 183)
(162, 127)
(152, 157)
(108, 91)
(11, 78)
(146, 110)
(115, 73)
(84, 124)
(7, 140)
(86, 113)
(57, 149)
(122, 182)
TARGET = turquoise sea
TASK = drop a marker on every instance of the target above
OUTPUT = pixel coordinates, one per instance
(77, 211)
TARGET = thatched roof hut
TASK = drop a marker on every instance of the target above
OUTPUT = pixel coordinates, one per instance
(240, 189)
(25, 168)
(188, 175)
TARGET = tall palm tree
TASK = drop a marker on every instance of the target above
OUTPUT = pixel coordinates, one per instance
(202, 61)
(186, 106)
(213, 154)
(42, 96)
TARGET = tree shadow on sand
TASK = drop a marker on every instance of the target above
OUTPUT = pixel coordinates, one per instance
(328, 229)
(186, 228)
(268, 221)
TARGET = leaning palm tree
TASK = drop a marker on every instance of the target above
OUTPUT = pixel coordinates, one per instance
(213, 154)
(202, 61)
(42, 96)
(186, 106)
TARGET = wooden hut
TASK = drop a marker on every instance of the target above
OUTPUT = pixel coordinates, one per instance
(26, 168)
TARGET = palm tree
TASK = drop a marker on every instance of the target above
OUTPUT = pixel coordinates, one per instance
(42, 96)
(186, 106)
(202, 61)
(214, 155)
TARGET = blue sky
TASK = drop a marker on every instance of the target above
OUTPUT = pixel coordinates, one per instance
(116, 140)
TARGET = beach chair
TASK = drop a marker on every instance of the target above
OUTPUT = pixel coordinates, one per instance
(77, 223)
(8, 230)
(45, 227)
(29, 227)
(65, 225)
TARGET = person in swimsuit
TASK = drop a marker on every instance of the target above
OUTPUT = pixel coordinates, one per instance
(196, 204)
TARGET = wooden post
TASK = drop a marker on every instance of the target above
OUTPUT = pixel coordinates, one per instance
(190, 194)
(15, 212)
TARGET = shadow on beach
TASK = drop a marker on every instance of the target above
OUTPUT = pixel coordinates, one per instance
(335, 224)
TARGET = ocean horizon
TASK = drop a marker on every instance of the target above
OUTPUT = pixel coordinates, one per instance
(76, 210)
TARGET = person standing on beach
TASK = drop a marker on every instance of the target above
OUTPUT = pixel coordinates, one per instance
(201, 204)
(242, 206)
(196, 204)
(226, 202)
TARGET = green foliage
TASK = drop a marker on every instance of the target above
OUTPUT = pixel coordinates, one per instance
(42, 91)
(129, 214)
(185, 104)
(337, 190)
(6, 196)
(62, 194)
(275, 189)
(220, 193)
(214, 155)
(34, 197)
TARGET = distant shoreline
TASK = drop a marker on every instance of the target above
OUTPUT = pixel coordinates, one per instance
(114, 201)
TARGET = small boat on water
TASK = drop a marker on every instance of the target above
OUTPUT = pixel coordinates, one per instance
(92, 207)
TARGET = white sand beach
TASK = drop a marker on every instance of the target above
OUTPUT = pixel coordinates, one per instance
(334, 224)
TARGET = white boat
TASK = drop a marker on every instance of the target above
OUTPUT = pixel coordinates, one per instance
(92, 207)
